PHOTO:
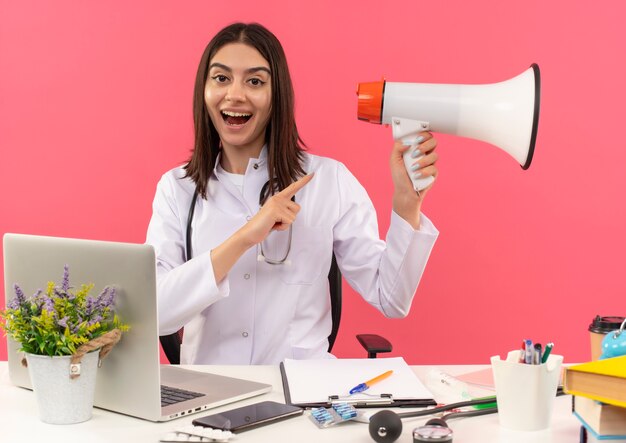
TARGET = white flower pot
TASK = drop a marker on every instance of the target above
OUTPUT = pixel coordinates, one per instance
(61, 399)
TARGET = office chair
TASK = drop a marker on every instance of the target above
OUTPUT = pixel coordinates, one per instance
(373, 344)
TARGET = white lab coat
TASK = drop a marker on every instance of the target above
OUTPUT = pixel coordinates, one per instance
(262, 313)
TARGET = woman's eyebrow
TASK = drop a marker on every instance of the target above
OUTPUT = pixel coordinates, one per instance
(248, 71)
(257, 69)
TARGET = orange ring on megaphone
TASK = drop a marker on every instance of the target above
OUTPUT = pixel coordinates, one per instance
(370, 101)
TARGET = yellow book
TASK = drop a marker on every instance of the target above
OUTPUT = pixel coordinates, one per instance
(602, 380)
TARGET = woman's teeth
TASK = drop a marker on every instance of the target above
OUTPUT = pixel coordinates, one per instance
(235, 118)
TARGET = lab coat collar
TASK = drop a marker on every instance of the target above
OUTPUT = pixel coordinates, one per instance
(259, 162)
(255, 177)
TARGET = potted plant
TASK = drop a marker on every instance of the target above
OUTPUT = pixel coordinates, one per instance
(59, 330)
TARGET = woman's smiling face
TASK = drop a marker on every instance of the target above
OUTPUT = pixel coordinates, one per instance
(238, 96)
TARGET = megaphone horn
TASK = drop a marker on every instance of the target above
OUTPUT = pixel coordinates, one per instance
(504, 114)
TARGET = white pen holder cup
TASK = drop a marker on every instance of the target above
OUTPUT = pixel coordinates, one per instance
(525, 393)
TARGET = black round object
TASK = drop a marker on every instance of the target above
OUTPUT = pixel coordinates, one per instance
(385, 426)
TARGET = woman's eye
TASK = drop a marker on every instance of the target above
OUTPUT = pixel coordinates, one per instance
(220, 78)
(256, 82)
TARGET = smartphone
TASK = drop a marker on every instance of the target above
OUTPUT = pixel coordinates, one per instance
(249, 417)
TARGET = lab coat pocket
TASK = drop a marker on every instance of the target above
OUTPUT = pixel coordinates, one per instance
(311, 252)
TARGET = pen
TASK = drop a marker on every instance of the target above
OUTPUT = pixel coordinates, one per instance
(522, 352)
(537, 354)
(363, 386)
(529, 352)
(546, 352)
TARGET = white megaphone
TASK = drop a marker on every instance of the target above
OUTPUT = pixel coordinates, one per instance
(505, 114)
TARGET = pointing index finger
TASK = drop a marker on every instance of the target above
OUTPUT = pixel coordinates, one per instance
(291, 190)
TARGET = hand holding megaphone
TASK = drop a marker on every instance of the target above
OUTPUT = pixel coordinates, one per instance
(505, 114)
(408, 132)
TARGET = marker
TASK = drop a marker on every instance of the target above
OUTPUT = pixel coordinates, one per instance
(364, 386)
(528, 358)
(546, 352)
(522, 352)
(537, 354)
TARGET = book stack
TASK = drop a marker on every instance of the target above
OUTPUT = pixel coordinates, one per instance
(599, 398)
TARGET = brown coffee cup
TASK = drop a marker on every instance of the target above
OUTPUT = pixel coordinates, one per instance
(599, 327)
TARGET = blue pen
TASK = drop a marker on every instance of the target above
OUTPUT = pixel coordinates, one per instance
(364, 386)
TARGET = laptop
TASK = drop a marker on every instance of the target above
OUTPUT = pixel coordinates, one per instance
(131, 379)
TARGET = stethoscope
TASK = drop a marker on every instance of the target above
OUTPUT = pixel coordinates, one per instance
(386, 426)
(261, 256)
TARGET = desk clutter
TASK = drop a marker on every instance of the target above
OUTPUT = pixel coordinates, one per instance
(598, 387)
(599, 419)
(587, 436)
(598, 390)
(360, 382)
(196, 434)
(337, 413)
(534, 354)
(526, 385)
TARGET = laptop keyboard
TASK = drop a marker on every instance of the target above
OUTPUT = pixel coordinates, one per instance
(170, 395)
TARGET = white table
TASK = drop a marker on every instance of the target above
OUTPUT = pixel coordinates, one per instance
(19, 419)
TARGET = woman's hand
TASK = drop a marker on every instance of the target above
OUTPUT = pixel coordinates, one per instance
(278, 213)
(406, 201)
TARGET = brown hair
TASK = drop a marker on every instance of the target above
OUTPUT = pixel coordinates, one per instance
(284, 145)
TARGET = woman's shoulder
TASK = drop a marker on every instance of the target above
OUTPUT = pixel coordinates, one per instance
(320, 164)
(175, 181)
(327, 167)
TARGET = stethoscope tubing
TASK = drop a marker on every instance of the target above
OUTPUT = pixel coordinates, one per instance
(192, 208)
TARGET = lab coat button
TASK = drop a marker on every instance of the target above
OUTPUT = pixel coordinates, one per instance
(246, 276)
(256, 166)
(244, 334)
(248, 217)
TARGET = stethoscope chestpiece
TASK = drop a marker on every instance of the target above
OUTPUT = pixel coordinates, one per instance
(435, 430)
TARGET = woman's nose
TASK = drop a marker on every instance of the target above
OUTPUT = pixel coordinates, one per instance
(235, 92)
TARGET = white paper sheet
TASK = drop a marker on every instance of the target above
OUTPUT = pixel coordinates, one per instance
(313, 381)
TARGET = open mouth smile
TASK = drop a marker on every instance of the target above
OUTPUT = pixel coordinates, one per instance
(235, 118)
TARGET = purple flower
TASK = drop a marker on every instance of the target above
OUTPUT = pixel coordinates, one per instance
(65, 285)
(105, 298)
(63, 322)
(47, 304)
(111, 299)
(19, 294)
(77, 325)
(94, 320)
(90, 305)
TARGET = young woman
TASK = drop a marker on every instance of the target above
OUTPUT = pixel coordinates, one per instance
(268, 218)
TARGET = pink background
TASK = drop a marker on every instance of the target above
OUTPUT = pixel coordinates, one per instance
(95, 104)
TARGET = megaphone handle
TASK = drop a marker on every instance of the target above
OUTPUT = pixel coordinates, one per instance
(418, 183)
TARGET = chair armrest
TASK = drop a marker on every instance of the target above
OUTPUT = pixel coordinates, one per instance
(171, 346)
(374, 344)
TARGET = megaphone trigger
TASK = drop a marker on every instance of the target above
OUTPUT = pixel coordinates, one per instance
(408, 131)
